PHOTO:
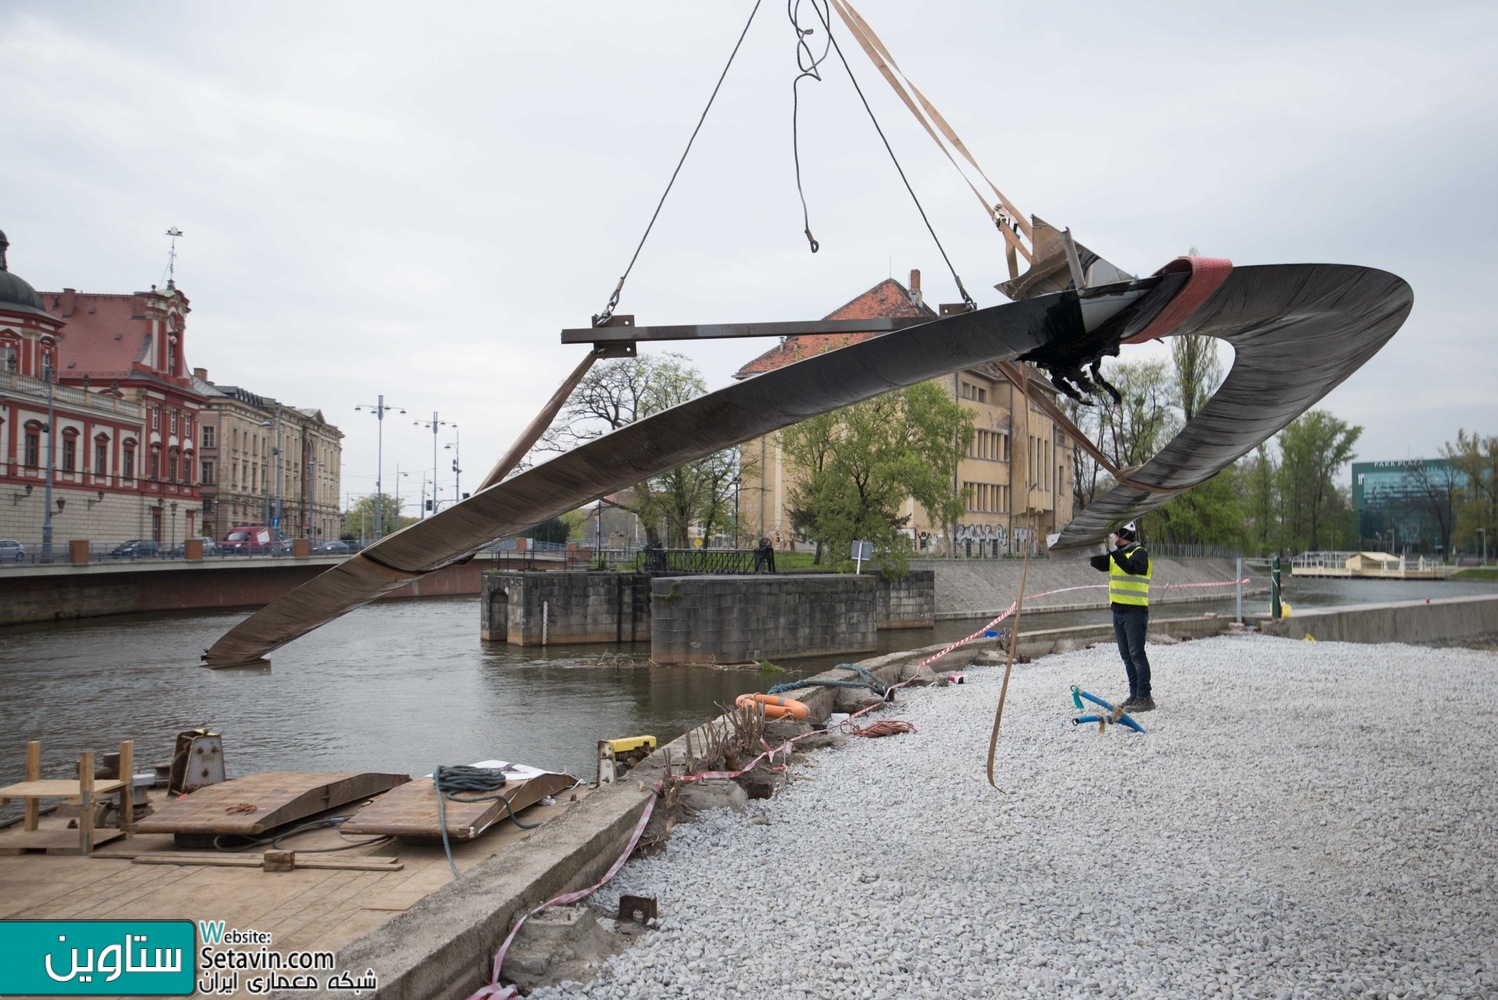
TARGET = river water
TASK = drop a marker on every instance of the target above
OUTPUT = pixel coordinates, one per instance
(404, 686)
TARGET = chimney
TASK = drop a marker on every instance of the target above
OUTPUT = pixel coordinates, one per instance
(201, 374)
(915, 287)
(69, 302)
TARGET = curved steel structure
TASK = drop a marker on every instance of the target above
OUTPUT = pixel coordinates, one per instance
(1298, 330)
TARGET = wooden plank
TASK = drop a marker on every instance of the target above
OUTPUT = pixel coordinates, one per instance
(411, 810)
(56, 789)
(51, 840)
(278, 797)
(362, 863)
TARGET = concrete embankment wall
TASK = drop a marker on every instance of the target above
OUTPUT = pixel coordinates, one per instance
(976, 588)
(1437, 620)
(63, 591)
(532, 609)
(731, 619)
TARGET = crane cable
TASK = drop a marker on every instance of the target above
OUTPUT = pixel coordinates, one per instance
(1006, 217)
(602, 318)
(820, 7)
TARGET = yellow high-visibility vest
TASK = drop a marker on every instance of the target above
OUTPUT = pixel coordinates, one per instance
(1126, 588)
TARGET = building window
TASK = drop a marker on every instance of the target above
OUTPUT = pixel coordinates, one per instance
(155, 470)
(208, 436)
(171, 467)
(155, 418)
(127, 468)
(8, 358)
(69, 454)
(207, 472)
(174, 421)
(33, 456)
(101, 457)
(187, 425)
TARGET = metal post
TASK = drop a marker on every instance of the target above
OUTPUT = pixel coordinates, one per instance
(50, 374)
(737, 481)
(1274, 589)
(277, 523)
(379, 412)
(1239, 588)
(598, 535)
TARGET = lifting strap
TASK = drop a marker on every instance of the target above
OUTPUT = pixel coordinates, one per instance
(1007, 218)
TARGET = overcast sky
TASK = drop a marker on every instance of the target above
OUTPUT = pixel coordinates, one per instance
(415, 199)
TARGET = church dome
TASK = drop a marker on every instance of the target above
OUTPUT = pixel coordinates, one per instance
(15, 294)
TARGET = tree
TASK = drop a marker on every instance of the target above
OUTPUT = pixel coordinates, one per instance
(855, 468)
(1433, 493)
(359, 519)
(1260, 475)
(619, 392)
(1312, 448)
(1476, 459)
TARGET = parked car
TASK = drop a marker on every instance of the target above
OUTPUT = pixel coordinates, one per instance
(137, 548)
(210, 548)
(13, 551)
(247, 540)
(332, 547)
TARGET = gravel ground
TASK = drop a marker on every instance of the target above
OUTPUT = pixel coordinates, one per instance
(1301, 820)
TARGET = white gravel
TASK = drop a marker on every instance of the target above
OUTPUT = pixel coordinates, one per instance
(1301, 820)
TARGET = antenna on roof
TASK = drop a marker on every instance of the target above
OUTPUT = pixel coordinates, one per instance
(171, 258)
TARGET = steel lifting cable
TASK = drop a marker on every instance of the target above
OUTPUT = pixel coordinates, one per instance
(819, 7)
(608, 310)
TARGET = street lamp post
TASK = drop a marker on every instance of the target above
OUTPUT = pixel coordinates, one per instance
(50, 374)
(736, 480)
(434, 423)
(173, 506)
(457, 466)
(379, 410)
(275, 512)
(398, 475)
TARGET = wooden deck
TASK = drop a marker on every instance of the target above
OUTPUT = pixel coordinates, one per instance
(258, 803)
(410, 811)
(308, 908)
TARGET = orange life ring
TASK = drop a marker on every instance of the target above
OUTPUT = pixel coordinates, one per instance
(774, 705)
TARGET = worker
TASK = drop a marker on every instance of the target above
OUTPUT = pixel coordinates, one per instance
(1129, 570)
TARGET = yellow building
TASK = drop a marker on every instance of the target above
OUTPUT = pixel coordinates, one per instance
(1016, 476)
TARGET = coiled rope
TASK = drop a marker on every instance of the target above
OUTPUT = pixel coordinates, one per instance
(481, 784)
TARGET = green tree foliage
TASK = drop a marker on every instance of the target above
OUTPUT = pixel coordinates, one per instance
(1313, 448)
(359, 519)
(622, 391)
(1475, 457)
(555, 530)
(857, 466)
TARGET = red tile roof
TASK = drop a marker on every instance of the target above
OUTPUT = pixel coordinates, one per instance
(105, 334)
(887, 300)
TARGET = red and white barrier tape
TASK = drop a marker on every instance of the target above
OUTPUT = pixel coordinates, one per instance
(494, 991)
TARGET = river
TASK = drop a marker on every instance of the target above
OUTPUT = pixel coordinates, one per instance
(404, 686)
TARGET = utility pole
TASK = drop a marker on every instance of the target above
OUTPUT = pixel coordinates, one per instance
(434, 423)
(379, 411)
(50, 374)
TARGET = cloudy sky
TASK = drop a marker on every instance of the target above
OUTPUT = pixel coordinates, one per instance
(414, 200)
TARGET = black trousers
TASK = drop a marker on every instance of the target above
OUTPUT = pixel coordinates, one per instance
(1129, 626)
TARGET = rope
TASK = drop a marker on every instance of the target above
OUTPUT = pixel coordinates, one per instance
(966, 298)
(808, 65)
(885, 727)
(871, 680)
(480, 782)
(608, 310)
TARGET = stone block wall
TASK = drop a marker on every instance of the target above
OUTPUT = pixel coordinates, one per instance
(734, 619)
(909, 602)
(532, 609)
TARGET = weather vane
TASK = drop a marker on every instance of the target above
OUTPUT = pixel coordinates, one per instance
(171, 259)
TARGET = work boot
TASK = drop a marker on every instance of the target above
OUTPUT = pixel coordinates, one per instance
(1129, 703)
(1144, 704)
